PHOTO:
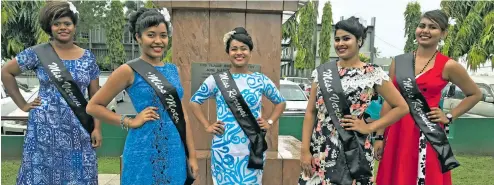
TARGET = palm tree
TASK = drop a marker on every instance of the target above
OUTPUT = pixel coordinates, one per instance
(20, 21)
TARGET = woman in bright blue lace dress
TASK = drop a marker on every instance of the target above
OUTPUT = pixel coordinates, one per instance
(57, 149)
(153, 151)
(230, 146)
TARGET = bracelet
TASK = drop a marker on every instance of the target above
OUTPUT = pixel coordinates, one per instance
(123, 123)
(122, 119)
(127, 124)
(379, 137)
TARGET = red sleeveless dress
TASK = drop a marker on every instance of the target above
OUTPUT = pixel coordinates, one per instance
(408, 159)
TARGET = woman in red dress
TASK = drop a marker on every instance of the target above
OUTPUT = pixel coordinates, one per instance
(408, 158)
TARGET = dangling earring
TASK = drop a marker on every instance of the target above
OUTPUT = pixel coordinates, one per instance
(415, 41)
(441, 42)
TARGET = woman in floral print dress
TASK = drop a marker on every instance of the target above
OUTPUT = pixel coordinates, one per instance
(320, 142)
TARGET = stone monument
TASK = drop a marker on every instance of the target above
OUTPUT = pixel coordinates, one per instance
(198, 29)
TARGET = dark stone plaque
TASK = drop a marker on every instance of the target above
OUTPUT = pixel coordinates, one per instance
(200, 71)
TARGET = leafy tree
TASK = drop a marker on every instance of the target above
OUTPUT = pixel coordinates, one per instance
(326, 31)
(114, 33)
(149, 4)
(412, 19)
(91, 14)
(305, 58)
(473, 33)
(364, 58)
(289, 30)
(20, 26)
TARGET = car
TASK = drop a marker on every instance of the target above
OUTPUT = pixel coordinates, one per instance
(484, 108)
(119, 98)
(304, 83)
(296, 99)
(18, 126)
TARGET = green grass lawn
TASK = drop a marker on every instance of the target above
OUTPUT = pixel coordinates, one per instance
(474, 170)
(10, 168)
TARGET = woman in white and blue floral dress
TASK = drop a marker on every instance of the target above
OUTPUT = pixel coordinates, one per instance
(230, 145)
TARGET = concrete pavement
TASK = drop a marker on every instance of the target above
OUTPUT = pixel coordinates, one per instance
(109, 179)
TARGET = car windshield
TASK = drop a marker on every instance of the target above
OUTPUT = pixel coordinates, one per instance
(305, 81)
(292, 93)
(492, 87)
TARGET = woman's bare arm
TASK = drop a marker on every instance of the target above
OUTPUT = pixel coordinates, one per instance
(121, 78)
(310, 116)
(394, 105)
(189, 135)
(386, 107)
(456, 74)
(92, 89)
(9, 71)
(397, 103)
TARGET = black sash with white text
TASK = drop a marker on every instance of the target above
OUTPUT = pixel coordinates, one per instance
(418, 109)
(169, 98)
(62, 79)
(352, 162)
(244, 117)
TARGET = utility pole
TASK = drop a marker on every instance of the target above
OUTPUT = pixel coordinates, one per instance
(314, 39)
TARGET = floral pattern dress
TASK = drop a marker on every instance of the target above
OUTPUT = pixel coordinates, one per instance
(57, 149)
(359, 86)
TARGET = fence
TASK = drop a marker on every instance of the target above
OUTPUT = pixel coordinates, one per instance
(467, 135)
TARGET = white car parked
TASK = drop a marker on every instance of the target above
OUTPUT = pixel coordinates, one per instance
(484, 108)
(20, 126)
(296, 99)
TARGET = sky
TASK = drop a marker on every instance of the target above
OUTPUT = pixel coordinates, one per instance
(390, 22)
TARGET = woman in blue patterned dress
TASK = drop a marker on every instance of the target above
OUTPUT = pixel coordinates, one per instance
(57, 149)
(230, 145)
(153, 152)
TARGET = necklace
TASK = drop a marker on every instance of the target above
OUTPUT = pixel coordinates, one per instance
(415, 55)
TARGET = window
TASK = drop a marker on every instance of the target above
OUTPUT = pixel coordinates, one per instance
(485, 89)
(485, 93)
(85, 35)
(458, 94)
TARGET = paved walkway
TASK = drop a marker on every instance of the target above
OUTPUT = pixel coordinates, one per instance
(109, 179)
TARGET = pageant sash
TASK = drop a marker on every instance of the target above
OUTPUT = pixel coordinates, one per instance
(352, 161)
(244, 117)
(169, 98)
(62, 79)
(418, 109)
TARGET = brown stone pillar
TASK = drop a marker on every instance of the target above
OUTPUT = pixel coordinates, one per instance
(198, 29)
